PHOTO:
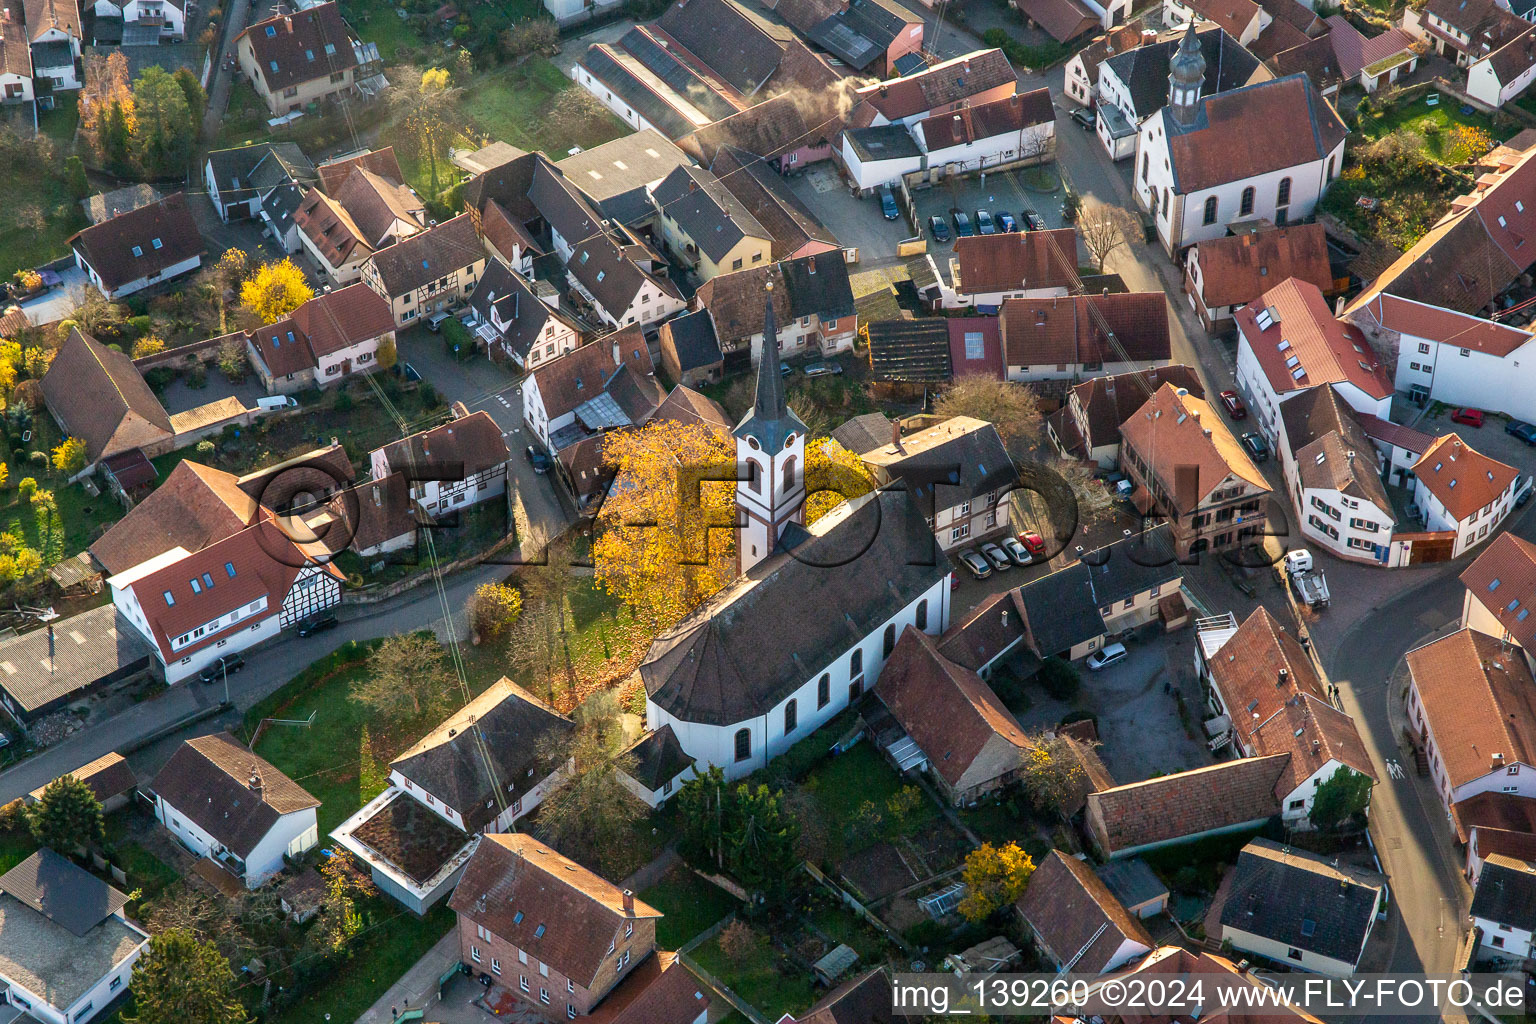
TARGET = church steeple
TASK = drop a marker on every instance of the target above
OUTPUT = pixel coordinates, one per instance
(1186, 78)
(770, 458)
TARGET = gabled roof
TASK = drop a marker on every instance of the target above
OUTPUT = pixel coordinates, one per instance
(63, 892)
(52, 15)
(1015, 260)
(706, 210)
(1143, 70)
(1504, 575)
(229, 792)
(520, 315)
(1076, 917)
(1174, 432)
(1071, 329)
(1117, 40)
(383, 162)
(1279, 704)
(947, 82)
(818, 285)
(235, 170)
(164, 234)
(626, 77)
(1060, 610)
(505, 723)
(15, 54)
(375, 203)
(322, 326)
(609, 272)
(1301, 900)
(713, 667)
(1479, 703)
(693, 340)
(472, 443)
(507, 184)
(1064, 20)
(1331, 448)
(108, 776)
(1506, 892)
(622, 166)
(1356, 52)
(570, 379)
(553, 908)
(658, 991)
(865, 999)
(1109, 401)
(916, 351)
(1237, 269)
(940, 466)
(102, 398)
(969, 738)
(1305, 56)
(741, 49)
(291, 49)
(659, 758)
(986, 631)
(735, 301)
(1509, 816)
(1009, 115)
(417, 261)
(561, 202)
(1446, 326)
(789, 222)
(195, 507)
(1173, 807)
(773, 127)
(1304, 345)
(687, 406)
(1226, 144)
(1231, 16)
(1462, 478)
(327, 224)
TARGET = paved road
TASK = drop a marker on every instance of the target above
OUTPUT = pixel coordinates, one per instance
(237, 13)
(265, 671)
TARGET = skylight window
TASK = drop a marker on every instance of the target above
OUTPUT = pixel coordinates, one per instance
(1512, 605)
(208, 580)
(1263, 319)
(538, 932)
(1291, 362)
(1285, 343)
(1503, 223)
(169, 600)
(309, 54)
(330, 48)
(197, 588)
(1494, 585)
(1523, 613)
(157, 243)
(138, 250)
(601, 274)
(1308, 927)
(271, 31)
(229, 567)
(1298, 373)
(272, 64)
(1519, 206)
(517, 918)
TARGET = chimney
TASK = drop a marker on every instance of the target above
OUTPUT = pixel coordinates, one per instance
(1284, 675)
(254, 782)
(896, 435)
(810, 268)
(288, 23)
(1005, 618)
(1498, 761)
(629, 902)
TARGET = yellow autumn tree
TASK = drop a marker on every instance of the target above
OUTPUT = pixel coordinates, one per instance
(833, 474)
(70, 455)
(149, 345)
(387, 355)
(664, 541)
(275, 290)
(995, 877)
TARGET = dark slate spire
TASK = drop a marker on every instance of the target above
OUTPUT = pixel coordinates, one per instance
(1186, 78)
(771, 419)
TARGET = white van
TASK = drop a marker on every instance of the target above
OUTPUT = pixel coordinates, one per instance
(272, 403)
(1109, 654)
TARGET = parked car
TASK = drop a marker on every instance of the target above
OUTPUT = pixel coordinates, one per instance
(1255, 445)
(537, 459)
(1524, 494)
(939, 229)
(963, 228)
(1085, 117)
(228, 664)
(1109, 654)
(1005, 221)
(785, 370)
(1470, 417)
(888, 203)
(410, 373)
(1031, 220)
(979, 566)
(436, 320)
(984, 223)
(1524, 431)
(1033, 542)
(823, 369)
(997, 556)
(1016, 551)
(1234, 404)
(318, 623)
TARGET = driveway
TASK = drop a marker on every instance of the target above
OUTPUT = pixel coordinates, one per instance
(178, 397)
(60, 301)
(542, 512)
(857, 223)
(1490, 438)
(1139, 723)
(239, 234)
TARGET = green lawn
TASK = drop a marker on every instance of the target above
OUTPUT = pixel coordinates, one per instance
(690, 904)
(392, 941)
(15, 847)
(840, 785)
(377, 22)
(1433, 128)
(36, 220)
(513, 105)
(82, 515)
(244, 119)
(60, 122)
(765, 978)
(843, 926)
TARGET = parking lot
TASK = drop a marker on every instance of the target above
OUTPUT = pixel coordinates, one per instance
(1139, 722)
(1490, 439)
(995, 193)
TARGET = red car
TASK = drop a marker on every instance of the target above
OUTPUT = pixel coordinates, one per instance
(1471, 417)
(1235, 407)
(1033, 542)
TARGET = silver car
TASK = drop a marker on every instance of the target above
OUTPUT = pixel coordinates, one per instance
(997, 556)
(1017, 551)
(979, 566)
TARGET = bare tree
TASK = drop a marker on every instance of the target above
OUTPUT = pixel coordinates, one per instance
(407, 679)
(1010, 407)
(1105, 229)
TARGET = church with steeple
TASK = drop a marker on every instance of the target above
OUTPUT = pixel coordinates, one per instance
(1264, 152)
(813, 613)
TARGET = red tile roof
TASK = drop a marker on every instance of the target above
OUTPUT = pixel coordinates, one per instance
(1447, 326)
(1356, 52)
(1185, 804)
(473, 443)
(568, 380)
(164, 233)
(302, 46)
(1000, 117)
(1173, 431)
(379, 161)
(1064, 20)
(991, 362)
(1479, 700)
(1017, 260)
(196, 506)
(1109, 401)
(947, 82)
(1237, 269)
(1305, 346)
(1072, 329)
(1075, 915)
(1406, 438)
(1505, 574)
(324, 325)
(1508, 813)
(1232, 16)
(1461, 477)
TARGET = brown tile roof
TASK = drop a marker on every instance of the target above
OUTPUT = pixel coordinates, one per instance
(1232, 16)
(555, 909)
(1109, 401)
(1185, 804)
(862, 1000)
(659, 991)
(568, 380)
(1307, 346)
(803, 68)
(101, 398)
(1072, 329)
(1173, 431)
(1277, 714)
(1297, 15)
(382, 162)
(735, 302)
(375, 203)
(1000, 117)
(383, 512)
(1300, 128)
(947, 82)
(1463, 478)
(15, 53)
(790, 223)
(505, 232)
(317, 472)
(1063, 20)
(986, 631)
(1506, 572)
(739, 47)
(771, 128)
(304, 46)
(227, 791)
(196, 506)
(107, 776)
(1280, 37)
(327, 224)
(1356, 52)
(685, 405)
(46, 15)
(1017, 259)
(1331, 448)
(1237, 269)
(968, 736)
(1516, 55)
(1479, 700)
(1118, 40)
(324, 325)
(805, 15)
(473, 442)
(1075, 915)
(1490, 811)
(1175, 961)
(421, 259)
(1447, 326)
(108, 246)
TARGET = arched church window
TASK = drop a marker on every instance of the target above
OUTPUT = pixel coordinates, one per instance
(890, 640)
(743, 744)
